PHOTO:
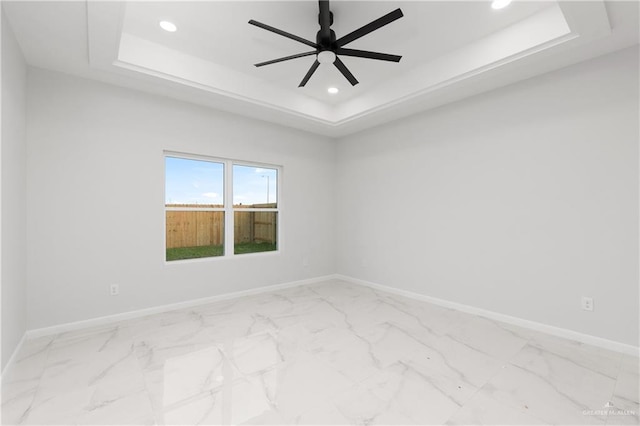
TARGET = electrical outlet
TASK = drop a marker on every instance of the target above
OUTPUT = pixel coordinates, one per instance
(587, 303)
(114, 289)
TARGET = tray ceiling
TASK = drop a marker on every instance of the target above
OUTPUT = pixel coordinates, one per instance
(449, 50)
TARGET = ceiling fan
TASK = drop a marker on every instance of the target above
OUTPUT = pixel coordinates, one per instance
(327, 47)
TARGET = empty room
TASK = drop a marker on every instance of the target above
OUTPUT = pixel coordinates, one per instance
(320, 212)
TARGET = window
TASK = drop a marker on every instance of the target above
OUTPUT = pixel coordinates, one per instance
(255, 209)
(194, 208)
(219, 207)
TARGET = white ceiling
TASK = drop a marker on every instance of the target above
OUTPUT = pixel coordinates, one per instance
(219, 33)
(450, 50)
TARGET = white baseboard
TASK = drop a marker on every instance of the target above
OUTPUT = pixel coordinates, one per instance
(13, 356)
(110, 319)
(533, 325)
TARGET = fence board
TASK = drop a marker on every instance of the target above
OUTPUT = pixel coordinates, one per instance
(264, 227)
(194, 228)
(186, 228)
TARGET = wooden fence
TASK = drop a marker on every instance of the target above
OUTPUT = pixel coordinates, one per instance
(186, 228)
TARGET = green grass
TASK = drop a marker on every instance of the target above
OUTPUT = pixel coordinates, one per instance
(180, 253)
(243, 248)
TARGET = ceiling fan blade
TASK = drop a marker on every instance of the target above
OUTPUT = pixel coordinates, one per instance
(345, 71)
(371, 26)
(368, 55)
(313, 69)
(286, 58)
(325, 20)
(283, 33)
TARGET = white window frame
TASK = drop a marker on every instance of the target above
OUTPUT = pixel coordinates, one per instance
(228, 209)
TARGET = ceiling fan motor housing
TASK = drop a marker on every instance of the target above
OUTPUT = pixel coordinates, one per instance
(326, 44)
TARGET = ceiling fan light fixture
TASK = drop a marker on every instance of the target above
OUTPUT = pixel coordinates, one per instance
(333, 90)
(500, 4)
(168, 26)
(326, 57)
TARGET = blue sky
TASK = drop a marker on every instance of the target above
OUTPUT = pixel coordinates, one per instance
(201, 182)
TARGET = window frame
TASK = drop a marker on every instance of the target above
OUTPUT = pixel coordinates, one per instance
(257, 209)
(228, 208)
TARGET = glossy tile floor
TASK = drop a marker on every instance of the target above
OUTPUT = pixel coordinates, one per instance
(328, 353)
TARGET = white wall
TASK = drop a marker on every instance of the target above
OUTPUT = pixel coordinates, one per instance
(96, 198)
(518, 201)
(13, 198)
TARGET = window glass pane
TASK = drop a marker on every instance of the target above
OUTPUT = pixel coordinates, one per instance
(255, 231)
(192, 234)
(255, 187)
(193, 183)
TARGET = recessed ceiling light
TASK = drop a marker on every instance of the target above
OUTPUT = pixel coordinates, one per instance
(168, 26)
(333, 90)
(500, 4)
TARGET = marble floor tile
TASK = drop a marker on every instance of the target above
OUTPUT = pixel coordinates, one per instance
(399, 395)
(108, 409)
(305, 381)
(488, 336)
(235, 402)
(16, 406)
(543, 398)
(20, 382)
(420, 398)
(183, 377)
(202, 410)
(91, 392)
(436, 319)
(346, 352)
(625, 406)
(473, 366)
(323, 413)
(627, 386)
(568, 377)
(327, 353)
(622, 412)
(26, 371)
(590, 357)
(482, 409)
(398, 349)
(59, 409)
(629, 363)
